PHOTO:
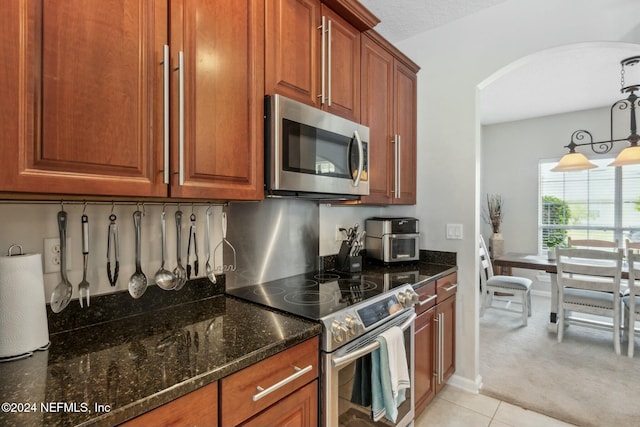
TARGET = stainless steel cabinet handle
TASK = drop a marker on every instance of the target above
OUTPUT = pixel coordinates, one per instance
(323, 48)
(165, 107)
(360, 158)
(329, 65)
(181, 118)
(396, 175)
(450, 288)
(436, 374)
(263, 392)
(440, 348)
(399, 168)
(428, 300)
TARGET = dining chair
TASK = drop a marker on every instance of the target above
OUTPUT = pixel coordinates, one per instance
(591, 243)
(635, 246)
(631, 300)
(589, 283)
(509, 285)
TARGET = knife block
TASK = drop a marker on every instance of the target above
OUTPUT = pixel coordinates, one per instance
(346, 262)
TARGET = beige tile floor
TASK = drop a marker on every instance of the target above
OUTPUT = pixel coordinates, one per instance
(454, 407)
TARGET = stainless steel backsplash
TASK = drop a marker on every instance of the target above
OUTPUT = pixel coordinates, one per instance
(274, 238)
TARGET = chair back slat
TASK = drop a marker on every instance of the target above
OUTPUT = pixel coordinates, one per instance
(591, 243)
(485, 261)
(590, 269)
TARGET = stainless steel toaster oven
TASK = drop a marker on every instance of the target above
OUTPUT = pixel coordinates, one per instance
(392, 239)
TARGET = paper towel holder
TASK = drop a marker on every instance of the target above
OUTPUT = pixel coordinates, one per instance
(15, 245)
(27, 352)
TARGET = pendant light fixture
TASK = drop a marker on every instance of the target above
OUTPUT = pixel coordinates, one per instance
(574, 161)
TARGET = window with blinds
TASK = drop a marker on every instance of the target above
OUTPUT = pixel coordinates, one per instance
(602, 203)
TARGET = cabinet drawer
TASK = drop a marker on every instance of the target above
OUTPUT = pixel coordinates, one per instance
(427, 295)
(253, 389)
(446, 286)
(198, 408)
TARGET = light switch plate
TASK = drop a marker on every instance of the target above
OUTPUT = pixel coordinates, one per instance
(454, 231)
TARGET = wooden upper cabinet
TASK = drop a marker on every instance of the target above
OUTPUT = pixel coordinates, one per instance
(85, 94)
(389, 100)
(312, 56)
(342, 65)
(84, 91)
(405, 119)
(292, 49)
(223, 54)
(377, 114)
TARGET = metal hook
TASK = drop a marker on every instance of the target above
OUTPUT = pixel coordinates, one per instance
(191, 208)
(62, 205)
(84, 208)
(208, 212)
(113, 205)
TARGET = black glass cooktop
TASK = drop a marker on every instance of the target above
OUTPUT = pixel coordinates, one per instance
(313, 295)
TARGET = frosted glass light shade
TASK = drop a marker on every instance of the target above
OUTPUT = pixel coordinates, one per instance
(573, 162)
(628, 156)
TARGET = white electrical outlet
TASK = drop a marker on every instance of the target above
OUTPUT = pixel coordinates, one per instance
(51, 255)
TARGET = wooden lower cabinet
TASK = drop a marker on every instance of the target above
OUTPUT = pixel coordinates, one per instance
(198, 408)
(434, 343)
(281, 390)
(299, 409)
(424, 344)
(288, 378)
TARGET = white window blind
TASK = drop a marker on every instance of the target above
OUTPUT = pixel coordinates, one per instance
(600, 203)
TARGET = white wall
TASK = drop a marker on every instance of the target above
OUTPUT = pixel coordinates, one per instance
(509, 166)
(29, 224)
(454, 60)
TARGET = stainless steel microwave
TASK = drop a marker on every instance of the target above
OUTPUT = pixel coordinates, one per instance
(312, 153)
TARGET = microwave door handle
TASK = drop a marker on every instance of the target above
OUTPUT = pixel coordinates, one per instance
(360, 158)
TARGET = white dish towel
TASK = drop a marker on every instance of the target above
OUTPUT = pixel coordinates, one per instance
(390, 375)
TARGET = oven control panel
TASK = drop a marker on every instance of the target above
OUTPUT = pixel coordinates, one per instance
(346, 325)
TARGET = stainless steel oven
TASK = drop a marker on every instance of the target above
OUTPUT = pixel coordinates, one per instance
(342, 377)
(354, 311)
(313, 153)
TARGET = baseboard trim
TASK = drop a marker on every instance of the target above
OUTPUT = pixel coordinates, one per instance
(466, 384)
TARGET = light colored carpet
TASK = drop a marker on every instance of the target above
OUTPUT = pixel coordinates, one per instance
(581, 380)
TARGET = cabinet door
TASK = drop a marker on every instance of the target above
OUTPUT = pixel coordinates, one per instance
(299, 409)
(293, 51)
(222, 44)
(424, 342)
(198, 408)
(405, 120)
(448, 310)
(80, 88)
(377, 107)
(342, 73)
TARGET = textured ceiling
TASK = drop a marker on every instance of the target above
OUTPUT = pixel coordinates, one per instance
(550, 82)
(402, 19)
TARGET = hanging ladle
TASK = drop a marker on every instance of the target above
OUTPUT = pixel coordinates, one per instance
(138, 281)
(164, 278)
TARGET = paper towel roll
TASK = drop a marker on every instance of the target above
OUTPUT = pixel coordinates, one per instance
(23, 313)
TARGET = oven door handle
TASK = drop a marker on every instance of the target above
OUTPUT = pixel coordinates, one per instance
(338, 362)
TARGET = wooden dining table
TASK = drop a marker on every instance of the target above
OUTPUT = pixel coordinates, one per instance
(504, 263)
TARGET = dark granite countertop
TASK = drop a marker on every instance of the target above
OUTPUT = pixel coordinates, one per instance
(107, 373)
